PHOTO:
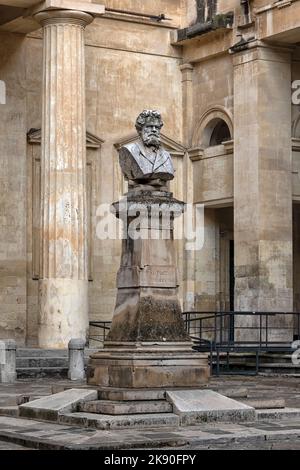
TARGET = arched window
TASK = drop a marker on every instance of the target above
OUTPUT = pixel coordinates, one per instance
(214, 127)
(215, 133)
(220, 133)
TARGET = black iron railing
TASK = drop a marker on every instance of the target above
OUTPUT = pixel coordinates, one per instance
(238, 332)
(99, 330)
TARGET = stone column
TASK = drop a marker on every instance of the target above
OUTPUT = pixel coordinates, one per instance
(262, 179)
(187, 102)
(63, 284)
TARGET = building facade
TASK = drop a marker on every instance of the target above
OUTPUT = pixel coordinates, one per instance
(74, 75)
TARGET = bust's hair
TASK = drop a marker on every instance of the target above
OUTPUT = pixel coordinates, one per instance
(147, 115)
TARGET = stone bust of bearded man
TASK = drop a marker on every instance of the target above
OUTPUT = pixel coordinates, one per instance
(146, 163)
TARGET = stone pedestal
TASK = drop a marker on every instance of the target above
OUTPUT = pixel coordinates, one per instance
(147, 346)
(63, 284)
(146, 365)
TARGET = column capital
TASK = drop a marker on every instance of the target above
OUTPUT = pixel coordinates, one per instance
(244, 52)
(186, 70)
(186, 66)
(77, 17)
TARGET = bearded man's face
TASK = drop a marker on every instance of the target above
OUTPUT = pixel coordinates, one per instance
(151, 133)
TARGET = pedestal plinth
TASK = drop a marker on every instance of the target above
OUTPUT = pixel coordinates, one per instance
(147, 365)
(147, 346)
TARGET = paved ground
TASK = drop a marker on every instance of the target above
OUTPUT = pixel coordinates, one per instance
(11, 446)
(268, 434)
(42, 435)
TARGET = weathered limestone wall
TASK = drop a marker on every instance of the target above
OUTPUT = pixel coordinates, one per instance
(171, 8)
(13, 69)
(213, 88)
(214, 176)
(212, 99)
(212, 171)
(123, 61)
(121, 81)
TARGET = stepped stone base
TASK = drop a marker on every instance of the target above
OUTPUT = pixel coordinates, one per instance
(148, 366)
(100, 421)
(109, 407)
(130, 394)
(82, 407)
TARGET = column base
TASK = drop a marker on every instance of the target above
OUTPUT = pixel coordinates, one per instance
(151, 365)
(63, 312)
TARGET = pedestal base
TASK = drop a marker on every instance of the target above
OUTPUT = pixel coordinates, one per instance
(148, 366)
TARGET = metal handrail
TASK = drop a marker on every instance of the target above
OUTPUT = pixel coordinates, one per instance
(226, 334)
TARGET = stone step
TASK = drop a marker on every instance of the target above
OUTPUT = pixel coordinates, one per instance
(109, 407)
(285, 413)
(42, 362)
(264, 404)
(9, 411)
(275, 365)
(125, 394)
(38, 352)
(38, 363)
(235, 392)
(100, 421)
(266, 368)
(40, 372)
(251, 362)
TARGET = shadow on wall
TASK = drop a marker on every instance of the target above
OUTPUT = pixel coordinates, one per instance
(206, 9)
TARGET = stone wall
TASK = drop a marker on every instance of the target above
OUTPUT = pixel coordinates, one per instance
(13, 190)
(129, 67)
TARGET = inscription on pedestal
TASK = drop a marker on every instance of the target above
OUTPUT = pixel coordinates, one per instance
(150, 276)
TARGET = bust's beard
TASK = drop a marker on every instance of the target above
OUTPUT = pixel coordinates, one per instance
(151, 141)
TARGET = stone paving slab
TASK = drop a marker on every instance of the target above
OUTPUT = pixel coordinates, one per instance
(42, 435)
(194, 406)
(49, 407)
